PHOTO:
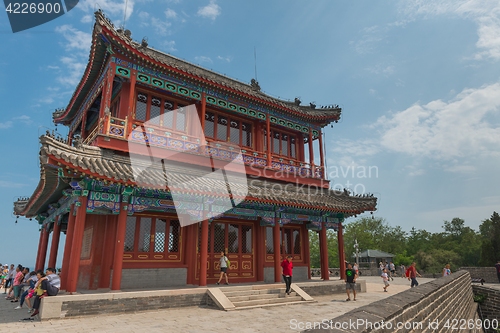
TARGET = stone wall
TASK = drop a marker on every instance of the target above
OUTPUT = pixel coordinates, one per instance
(427, 307)
(489, 274)
(68, 306)
(153, 278)
(325, 288)
(299, 274)
(490, 308)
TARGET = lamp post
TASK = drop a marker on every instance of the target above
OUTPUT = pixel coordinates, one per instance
(356, 247)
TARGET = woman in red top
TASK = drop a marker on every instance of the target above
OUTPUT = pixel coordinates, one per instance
(287, 267)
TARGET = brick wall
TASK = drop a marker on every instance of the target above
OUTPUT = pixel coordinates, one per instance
(324, 288)
(424, 308)
(153, 278)
(490, 309)
(489, 274)
(125, 305)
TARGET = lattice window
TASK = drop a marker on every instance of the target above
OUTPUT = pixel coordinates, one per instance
(276, 142)
(180, 122)
(296, 241)
(234, 132)
(168, 114)
(174, 236)
(233, 238)
(160, 229)
(284, 144)
(221, 128)
(246, 134)
(246, 239)
(269, 240)
(141, 107)
(144, 235)
(154, 112)
(293, 147)
(209, 125)
(265, 140)
(130, 234)
(219, 237)
(287, 241)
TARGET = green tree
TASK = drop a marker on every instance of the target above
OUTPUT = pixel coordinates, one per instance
(333, 252)
(490, 235)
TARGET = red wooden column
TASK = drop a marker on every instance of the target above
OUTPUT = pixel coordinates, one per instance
(56, 233)
(131, 101)
(119, 247)
(321, 253)
(324, 263)
(203, 110)
(340, 238)
(311, 152)
(306, 252)
(67, 247)
(321, 154)
(40, 241)
(203, 253)
(76, 246)
(268, 135)
(108, 252)
(43, 248)
(260, 246)
(277, 250)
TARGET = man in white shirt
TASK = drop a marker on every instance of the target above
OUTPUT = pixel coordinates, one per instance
(50, 286)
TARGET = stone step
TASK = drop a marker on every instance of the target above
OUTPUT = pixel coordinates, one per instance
(234, 288)
(258, 296)
(277, 300)
(252, 292)
(269, 305)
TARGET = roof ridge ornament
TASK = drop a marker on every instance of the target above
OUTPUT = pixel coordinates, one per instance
(255, 85)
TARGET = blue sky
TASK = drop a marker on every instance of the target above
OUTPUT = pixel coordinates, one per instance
(418, 81)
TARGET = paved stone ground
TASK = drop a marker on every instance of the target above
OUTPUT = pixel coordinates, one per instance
(196, 319)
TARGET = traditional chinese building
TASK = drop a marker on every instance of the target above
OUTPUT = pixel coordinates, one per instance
(123, 218)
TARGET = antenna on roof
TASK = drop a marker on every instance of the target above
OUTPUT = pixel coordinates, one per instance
(255, 62)
(125, 14)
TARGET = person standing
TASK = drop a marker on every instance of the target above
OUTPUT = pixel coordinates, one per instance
(403, 270)
(412, 274)
(10, 278)
(497, 266)
(350, 282)
(223, 267)
(393, 270)
(385, 278)
(446, 270)
(287, 267)
(17, 284)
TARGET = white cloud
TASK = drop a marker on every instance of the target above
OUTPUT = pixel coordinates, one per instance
(74, 71)
(86, 19)
(144, 16)
(161, 27)
(76, 39)
(226, 59)
(6, 183)
(24, 119)
(6, 124)
(202, 59)
(170, 14)
(168, 45)
(112, 8)
(211, 11)
(484, 13)
(467, 125)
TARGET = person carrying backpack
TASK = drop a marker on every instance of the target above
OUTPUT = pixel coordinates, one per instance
(224, 265)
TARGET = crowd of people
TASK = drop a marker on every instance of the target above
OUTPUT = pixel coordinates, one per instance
(22, 286)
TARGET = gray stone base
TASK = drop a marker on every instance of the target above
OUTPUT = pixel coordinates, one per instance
(153, 278)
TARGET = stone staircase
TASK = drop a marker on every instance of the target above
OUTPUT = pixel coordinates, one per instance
(253, 296)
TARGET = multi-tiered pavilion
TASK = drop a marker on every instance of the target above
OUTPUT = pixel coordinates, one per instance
(124, 221)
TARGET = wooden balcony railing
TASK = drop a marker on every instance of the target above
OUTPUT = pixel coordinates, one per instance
(170, 139)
